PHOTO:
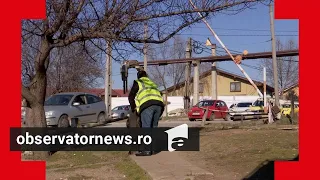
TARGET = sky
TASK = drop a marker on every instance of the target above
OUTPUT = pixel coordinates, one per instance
(248, 30)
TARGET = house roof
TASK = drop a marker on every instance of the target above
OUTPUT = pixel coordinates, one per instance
(219, 71)
(291, 87)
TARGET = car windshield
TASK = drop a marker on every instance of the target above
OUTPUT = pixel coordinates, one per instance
(58, 100)
(243, 104)
(258, 103)
(286, 106)
(205, 103)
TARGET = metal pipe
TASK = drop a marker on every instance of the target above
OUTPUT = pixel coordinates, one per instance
(259, 55)
(228, 52)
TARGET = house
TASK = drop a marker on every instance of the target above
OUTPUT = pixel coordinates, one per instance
(229, 84)
(294, 88)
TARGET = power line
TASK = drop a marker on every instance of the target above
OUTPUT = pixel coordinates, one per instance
(255, 30)
(252, 67)
(240, 35)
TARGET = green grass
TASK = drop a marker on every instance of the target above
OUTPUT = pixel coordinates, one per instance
(129, 168)
(120, 161)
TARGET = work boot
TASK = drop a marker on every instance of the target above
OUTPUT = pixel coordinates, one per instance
(144, 153)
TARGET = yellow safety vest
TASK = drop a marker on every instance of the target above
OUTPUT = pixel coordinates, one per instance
(148, 90)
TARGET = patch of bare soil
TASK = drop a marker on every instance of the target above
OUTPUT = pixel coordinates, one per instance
(233, 154)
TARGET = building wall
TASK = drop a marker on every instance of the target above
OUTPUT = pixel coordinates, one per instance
(296, 91)
(223, 87)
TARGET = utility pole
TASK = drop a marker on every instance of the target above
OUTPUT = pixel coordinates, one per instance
(145, 59)
(214, 75)
(274, 58)
(187, 76)
(196, 82)
(196, 65)
(108, 79)
(213, 71)
(265, 89)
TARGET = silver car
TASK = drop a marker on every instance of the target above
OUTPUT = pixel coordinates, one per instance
(120, 112)
(60, 108)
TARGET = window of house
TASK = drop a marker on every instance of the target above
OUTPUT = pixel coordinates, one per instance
(235, 87)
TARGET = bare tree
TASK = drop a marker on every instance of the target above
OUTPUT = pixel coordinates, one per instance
(169, 75)
(288, 67)
(121, 21)
(72, 69)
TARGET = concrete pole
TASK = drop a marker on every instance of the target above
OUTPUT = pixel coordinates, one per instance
(108, 79)
(214, 75)
(145, 57)
(196, 65)
(274, 57)
(187, 76)
(265, 89)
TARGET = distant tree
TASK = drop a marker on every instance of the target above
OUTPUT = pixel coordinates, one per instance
(73, 69)
(172, 74)
(288, 67)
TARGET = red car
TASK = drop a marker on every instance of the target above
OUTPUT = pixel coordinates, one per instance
(196, 112)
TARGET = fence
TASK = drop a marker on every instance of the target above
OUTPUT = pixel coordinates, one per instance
(176, 102)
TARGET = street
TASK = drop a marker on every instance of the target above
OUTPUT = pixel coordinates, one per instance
(168, 123)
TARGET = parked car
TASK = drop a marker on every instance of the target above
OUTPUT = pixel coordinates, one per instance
(257, 106)
(197, 111)
(60, 108)
(241, 107)
(286, 109)
(120, 112)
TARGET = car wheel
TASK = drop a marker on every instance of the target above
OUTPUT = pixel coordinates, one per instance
(101, 118)
(212, 117)
(191, 119)
(227, 118)
(63, 121)
(122, 116)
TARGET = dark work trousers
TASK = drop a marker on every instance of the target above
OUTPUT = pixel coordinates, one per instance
(150, 116)
(149, 119)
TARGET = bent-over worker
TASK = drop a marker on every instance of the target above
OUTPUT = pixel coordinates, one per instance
(146, 100)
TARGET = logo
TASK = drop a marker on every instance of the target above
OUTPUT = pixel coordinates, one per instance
(176, 137)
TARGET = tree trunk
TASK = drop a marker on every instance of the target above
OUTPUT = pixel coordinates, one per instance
(35, 114)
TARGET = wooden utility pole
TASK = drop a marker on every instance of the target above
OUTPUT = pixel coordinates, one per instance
(108, 79)
(187, 75)
(145, 48)
(274, 57)
(292, 94)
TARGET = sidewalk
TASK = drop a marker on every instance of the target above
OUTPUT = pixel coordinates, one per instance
(168, 166)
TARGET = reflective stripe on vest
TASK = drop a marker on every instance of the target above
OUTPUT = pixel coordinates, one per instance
(148, 90)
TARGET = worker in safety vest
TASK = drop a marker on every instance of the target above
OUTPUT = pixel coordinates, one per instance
(147, 101)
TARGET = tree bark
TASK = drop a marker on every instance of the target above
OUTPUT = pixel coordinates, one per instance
(35, 116)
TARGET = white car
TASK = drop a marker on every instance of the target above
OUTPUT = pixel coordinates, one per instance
(241, 108)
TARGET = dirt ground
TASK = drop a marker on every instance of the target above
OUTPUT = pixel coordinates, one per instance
(93, 166)
(235, 153)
